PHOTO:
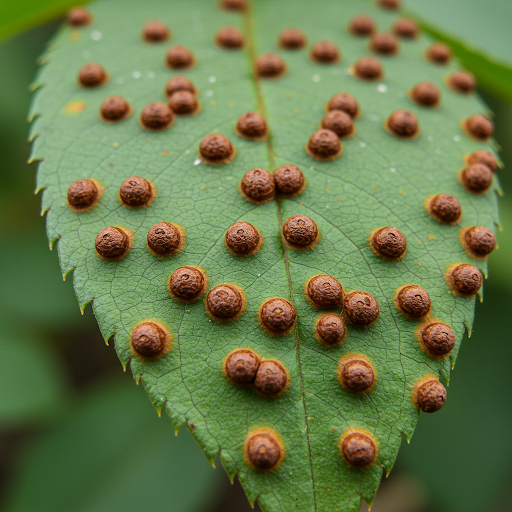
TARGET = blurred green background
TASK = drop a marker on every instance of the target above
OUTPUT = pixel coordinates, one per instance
(77, 434)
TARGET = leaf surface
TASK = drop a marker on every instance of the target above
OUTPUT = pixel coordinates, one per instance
(378, 181)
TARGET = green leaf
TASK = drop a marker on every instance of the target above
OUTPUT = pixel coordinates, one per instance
(378, 181)
(110, 452)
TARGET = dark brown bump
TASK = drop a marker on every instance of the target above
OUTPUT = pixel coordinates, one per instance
(384, 44)
(388, 242)
(114, 108)
(155, 32)
(339, 122)
(476, 178)
(483, 157)
(479, 241)
(234, 5)
(413, 301)
(164, 239)
(391, 5)
(82, 194)
(289, 180)
(292, 39)
(439, 53)
(325, 52)
(465, 279)
(230, 38)
(241, 365)
(216, 149)
(179, 83)
(358, 450)
(431, 396)
(148, 339)
(258, 185)
(270, 65)
(361, 25)
(187, 284)
(361, 308)
(403, 124)
(243, 239)
(406, 28)
(252, 126)
(462, 81)
(426, 94)
(92, 75)
(225, 302)
(324, 291)
(271, 378)
(156, 116)
(444, 208)
(277, 315)
(136, 192)
(368, 68)
(330, 329)
(112, 243)
(183, 103)
(300, 231)
(324, 145)
(344, 102)
(356, 374)
(263, 451)
(479, 127)
(78, 17)
(437, 338)
(179, 57)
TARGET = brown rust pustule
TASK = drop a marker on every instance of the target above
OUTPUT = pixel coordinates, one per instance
(179, 57)
(356, 373)
(156, 116)
(361, 25)
(413, 301)
(325, 52)
(277, 315)
(225, 302)
(292, 39)
(444, 208)
(361, 308)
(476, 178)
(439, 53)
(437, 338)
(479, 241)
(426, 94)
(463, 82)
(339, 122)
(271, 378)
(270, 65)
(136, 192)
(464, 279)
(155, 32)
(368, 68)
(330, 329)
(358, 449)
(403, 124)
(406, 28)
(149, 340)
(230, 38)
(430, 395)
(234, 5)
(479, 127)
(92, 75)
(300, 232)
(324, 291)
(252, 126)
(324, 145)
(112, 243)
(216, 149)
(183, 103)
(241, 365)
(179, 83)
(78, 17)
(263, 450)
(388, 242)
(164, 239)
(187, 284)
(384, 44)
(114, 109)
(258, 186)
(391, 5)
(289, 180)
(243, 239)
(83, 194)
(483, 157)
(345, 102)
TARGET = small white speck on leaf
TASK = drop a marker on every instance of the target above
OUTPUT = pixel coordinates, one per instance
(212, 79)
(456, 138)
(209, 92)
(197, 161)
(393, 169)
(382, 88)
(362, 144)
(136, 74)
(96, 35)
(316, 78)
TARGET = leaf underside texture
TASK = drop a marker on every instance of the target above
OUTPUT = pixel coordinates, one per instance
(379, 180)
